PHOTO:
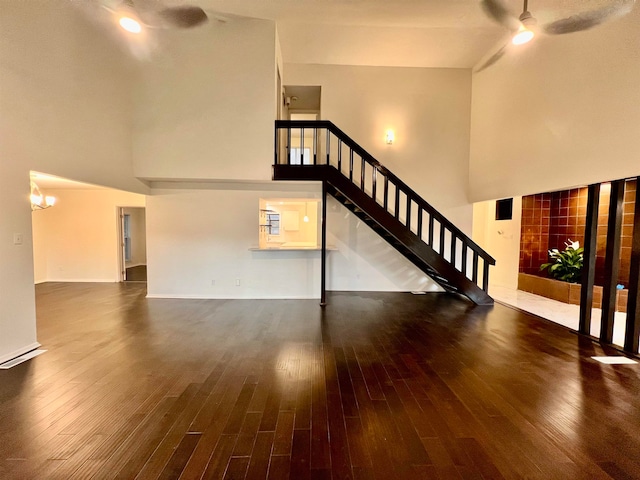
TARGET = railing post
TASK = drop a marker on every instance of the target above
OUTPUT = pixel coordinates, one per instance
(419, 222)
(474, 268)
(276, 146)
(453, 249)
(397, 206)
(329, 148)
(350, 164)
(632, 329)
(485, 276)
(315, 146)
(463, 264)
(612, 261)
(430, 242)
(589, 268)
(385, 200)
(323, 260)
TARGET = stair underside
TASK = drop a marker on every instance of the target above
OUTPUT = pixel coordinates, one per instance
(388, 227)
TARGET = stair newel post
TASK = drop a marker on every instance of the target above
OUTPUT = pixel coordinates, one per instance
(323, 258)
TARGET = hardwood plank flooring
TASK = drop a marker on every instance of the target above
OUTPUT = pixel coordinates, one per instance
(374, 386)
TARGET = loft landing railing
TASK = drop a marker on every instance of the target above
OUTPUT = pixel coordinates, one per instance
(313, 143)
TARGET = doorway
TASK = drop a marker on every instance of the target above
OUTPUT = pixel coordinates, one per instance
(133, 244)
(302, 99)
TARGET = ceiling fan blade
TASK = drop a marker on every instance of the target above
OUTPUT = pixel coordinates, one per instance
(183, 17)
(498, 12)
(492, 59)
(587, 20)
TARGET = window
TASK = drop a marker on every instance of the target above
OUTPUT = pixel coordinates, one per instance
(273, 220)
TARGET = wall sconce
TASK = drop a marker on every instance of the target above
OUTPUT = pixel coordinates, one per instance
(389, 137)
(38, 200)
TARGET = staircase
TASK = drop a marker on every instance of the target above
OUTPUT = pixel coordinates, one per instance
(318, 150)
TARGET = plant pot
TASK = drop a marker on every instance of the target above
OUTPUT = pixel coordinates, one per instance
(565, 292)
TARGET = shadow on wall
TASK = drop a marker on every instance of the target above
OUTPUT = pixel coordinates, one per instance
(364, 260)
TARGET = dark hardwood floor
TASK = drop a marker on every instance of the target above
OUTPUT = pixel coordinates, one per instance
(376, 386)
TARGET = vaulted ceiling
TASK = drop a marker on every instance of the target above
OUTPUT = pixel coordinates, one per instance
(417, 33)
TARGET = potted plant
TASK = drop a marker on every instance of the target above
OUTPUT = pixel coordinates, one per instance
(566, 265)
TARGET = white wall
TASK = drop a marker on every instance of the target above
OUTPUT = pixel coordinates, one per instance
(206, 107)
(138, 232)
(77, 239)
(501, 238)
(564, 111)
(427, 108)
(199, 236)
(66, 110)
(17, 305)
(364, 261)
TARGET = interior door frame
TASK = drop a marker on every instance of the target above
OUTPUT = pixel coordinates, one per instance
(122, 269)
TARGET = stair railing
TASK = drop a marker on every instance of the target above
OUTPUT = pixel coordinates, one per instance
(306, 143)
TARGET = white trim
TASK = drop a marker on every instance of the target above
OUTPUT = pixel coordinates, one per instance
(80, 280)
(20, 351)
(210, 297)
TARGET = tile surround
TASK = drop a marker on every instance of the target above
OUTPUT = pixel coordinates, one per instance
(550, 219)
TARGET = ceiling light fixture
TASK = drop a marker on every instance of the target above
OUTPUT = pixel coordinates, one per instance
(522, 36)
(38, 200)
(130, 24)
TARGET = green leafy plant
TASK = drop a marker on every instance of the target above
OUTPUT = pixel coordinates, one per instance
(565, 265)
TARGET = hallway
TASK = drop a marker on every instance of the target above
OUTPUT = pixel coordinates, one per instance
(376, 386)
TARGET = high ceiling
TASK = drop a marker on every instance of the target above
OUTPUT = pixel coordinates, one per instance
(417, 33)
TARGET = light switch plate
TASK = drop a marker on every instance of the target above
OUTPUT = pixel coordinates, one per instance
(17, 239)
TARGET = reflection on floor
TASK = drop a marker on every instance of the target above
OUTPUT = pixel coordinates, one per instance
(137, 274)
(558, 312)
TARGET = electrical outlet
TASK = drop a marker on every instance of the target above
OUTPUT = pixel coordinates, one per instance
(213, 283)
(17, 239)
(237, 282)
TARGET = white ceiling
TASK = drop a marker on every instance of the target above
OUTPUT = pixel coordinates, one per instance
(414, 33)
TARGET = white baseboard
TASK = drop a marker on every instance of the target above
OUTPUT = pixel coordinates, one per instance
(18, 352)
(211, 297)
(80, 280)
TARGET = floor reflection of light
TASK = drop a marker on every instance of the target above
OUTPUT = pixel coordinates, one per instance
(564, 407)
(297, 362)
